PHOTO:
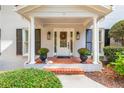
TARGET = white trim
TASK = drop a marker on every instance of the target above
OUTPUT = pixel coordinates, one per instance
(95, 41)
(63, 14)
(63, 23)
(23, 41)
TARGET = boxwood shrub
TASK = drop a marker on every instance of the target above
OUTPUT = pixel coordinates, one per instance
(110, 52)
(29, 78)
(118, 65)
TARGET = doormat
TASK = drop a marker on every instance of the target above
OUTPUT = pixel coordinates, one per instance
(63, 56)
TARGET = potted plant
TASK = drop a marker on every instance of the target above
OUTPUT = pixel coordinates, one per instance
(84, 52)
(43, 54)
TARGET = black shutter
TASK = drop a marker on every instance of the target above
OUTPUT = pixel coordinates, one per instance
(107, 38)
(37, 40)
(19, 41)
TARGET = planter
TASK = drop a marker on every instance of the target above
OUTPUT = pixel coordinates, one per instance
(43, 54)
(43, 58)
(83, 58)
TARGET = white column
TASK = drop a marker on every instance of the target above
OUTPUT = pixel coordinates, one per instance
(32, 43)
(95, 41)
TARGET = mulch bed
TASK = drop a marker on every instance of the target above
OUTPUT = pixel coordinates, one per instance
(107, 77)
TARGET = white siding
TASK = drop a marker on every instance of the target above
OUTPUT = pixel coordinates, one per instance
(10, 21)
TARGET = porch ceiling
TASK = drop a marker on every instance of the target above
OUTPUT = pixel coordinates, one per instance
(76, 20)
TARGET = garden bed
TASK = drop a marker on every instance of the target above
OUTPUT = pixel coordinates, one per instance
(107, 78)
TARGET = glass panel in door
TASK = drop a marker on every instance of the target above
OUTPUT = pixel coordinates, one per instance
(63, 39)
(63, 44)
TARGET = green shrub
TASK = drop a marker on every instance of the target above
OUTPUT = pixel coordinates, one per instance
(43, 51)
(110, 52)
(83, 51)
(118, 64)
(29, 78)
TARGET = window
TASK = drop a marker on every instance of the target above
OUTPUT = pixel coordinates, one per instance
(25, 41)
(89, 39)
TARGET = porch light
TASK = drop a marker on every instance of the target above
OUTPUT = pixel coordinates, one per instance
(77, 35)
(48, 35)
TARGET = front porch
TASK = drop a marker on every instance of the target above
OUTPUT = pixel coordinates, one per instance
(66, 64)
(63, 33)
(65, 60)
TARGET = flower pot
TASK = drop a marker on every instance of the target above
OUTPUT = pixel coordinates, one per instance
(83, 58)
(43, 58)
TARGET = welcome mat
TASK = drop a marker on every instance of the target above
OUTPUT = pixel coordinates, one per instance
(63, 56)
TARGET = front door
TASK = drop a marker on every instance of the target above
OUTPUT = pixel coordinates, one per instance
(64, 43)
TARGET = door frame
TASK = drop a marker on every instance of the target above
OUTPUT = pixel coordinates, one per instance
(59, 30)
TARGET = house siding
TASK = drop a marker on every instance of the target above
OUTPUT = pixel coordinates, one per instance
(10, 21)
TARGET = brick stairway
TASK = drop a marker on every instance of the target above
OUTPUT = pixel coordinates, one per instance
(66, 70)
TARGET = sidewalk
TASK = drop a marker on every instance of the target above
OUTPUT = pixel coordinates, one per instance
(78, 81)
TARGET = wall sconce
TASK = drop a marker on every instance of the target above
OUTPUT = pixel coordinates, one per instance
(48, 35)
(77, 35)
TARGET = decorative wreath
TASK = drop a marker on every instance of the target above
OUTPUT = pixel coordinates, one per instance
(63, 36)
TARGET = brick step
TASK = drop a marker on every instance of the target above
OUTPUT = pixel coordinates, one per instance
(66, 70)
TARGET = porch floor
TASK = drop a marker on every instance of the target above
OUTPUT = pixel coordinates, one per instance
(71, 60)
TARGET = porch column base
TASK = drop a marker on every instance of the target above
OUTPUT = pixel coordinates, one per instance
(32, 62)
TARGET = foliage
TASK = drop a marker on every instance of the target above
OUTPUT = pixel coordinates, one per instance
(119, 64)
(110, 52)
(84, 51)
(29, 78)
(117, 31)
(43, 51)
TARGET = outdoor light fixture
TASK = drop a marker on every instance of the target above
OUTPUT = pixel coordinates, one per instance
(77, 35)
(48, 35)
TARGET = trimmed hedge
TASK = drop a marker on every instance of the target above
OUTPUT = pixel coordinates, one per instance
(29, 78)
(110, 52)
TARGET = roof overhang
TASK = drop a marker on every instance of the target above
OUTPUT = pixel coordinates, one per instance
(64, 13)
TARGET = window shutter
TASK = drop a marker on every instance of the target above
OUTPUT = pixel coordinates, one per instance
(37, 40)
(19, 41)
(107, 38)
